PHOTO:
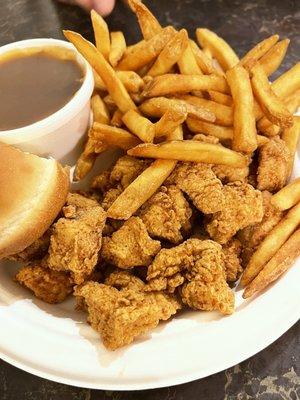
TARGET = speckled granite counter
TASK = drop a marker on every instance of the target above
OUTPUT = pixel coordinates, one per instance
(274, 373)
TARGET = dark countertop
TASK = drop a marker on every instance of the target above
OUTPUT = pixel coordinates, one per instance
(274, 373)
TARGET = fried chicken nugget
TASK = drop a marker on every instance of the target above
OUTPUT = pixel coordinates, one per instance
(127, 169)
(76, 238)
(227, 174)
(122, 315)
(232, 252)
(201, 185)
(46, 284)
(199, 266)
(253, 235)
(167, 214)
(243, 207)
(130, 246)
(273, 169)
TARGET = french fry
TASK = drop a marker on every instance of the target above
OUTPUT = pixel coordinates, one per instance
(141, 189)
(146, 52)
(130, 79)
(271, 244)
(101, 34)
(219, 49)
(204, 62)
(207, 52)
(273, 58)
(221, 132)
(113, 84)
(220, 98)
(170, 54)
(100, 111)
(113, 136)
(244, 127)
(175, 83)
(224, 114)
(116, 119)
(279, 263)
(169, 122)
(140, 126)
(290, 137)
(157, 106)
(187, 63)
(147, 21)
(117, 47)
(288, 196)
(272, 106)
(137, 98)
(110, 104)
(258, 51)
(288, 82)
(190, 151)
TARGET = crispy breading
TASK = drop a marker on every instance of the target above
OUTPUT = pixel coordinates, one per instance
(227, 174)
(243, 206)
(35, 251)
(201, 185)
(122, 315)
(110, 196)
(232, 252)
(76, 238)
(46, 284)
(126, 169)
(253, 235)
(199, 266)
(206, 138)
(130, 246)
(102, 182)
(167, 214)
(273, 168)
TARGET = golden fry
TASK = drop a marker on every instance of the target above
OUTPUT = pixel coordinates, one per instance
(113, 136)
(219, 49)
(170, 54)
(100, 111)
(220, 98)
(140, 126)
(187, 63)
(113, 84)
(271, 244)
(141, 189)
(157, 106)
(221, 132)
(175, 83)
(224, 114)
(274, 57)
(279, 263)
(190, 151)
(117, 47)
(288, 196)
(291, 137)
(147, 21)
(288, 82)
(204, 62)
(146, 52)
(244, 127)
(258, 51)
(130, 79)
(272, 106)
(101, 34)
(169, 122)
(116, 119)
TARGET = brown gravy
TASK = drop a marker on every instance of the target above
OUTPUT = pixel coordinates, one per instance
(35, 83)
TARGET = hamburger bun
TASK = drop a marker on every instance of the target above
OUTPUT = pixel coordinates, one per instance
(32, 192)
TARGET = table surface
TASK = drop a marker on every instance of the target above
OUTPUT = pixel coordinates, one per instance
(274, 373)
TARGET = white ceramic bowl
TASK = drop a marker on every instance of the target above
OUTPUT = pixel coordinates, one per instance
(59, 135)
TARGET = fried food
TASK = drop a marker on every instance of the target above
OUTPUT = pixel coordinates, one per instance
(253, 235)
(46, 284)
(148, 23)
(273, 169)
(274, 57)
(76, 238)
(243, 206)
(201, 185)
(113, 136)
(130, 246)
(126, 170)
(258, 51)
(117, 47)
(200, 264)
(167, 214)
(122, 315)
(288, 196)
(232, 260)
(101, 33)
(36, 251)
(228, 174)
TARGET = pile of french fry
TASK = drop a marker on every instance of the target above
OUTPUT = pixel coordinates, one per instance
(151, 95)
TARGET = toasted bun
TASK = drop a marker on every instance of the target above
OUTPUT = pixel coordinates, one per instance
(32, 192)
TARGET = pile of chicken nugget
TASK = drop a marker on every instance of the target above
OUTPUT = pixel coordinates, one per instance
(199, 197)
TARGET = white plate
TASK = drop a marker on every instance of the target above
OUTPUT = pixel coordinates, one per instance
(55, 342)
